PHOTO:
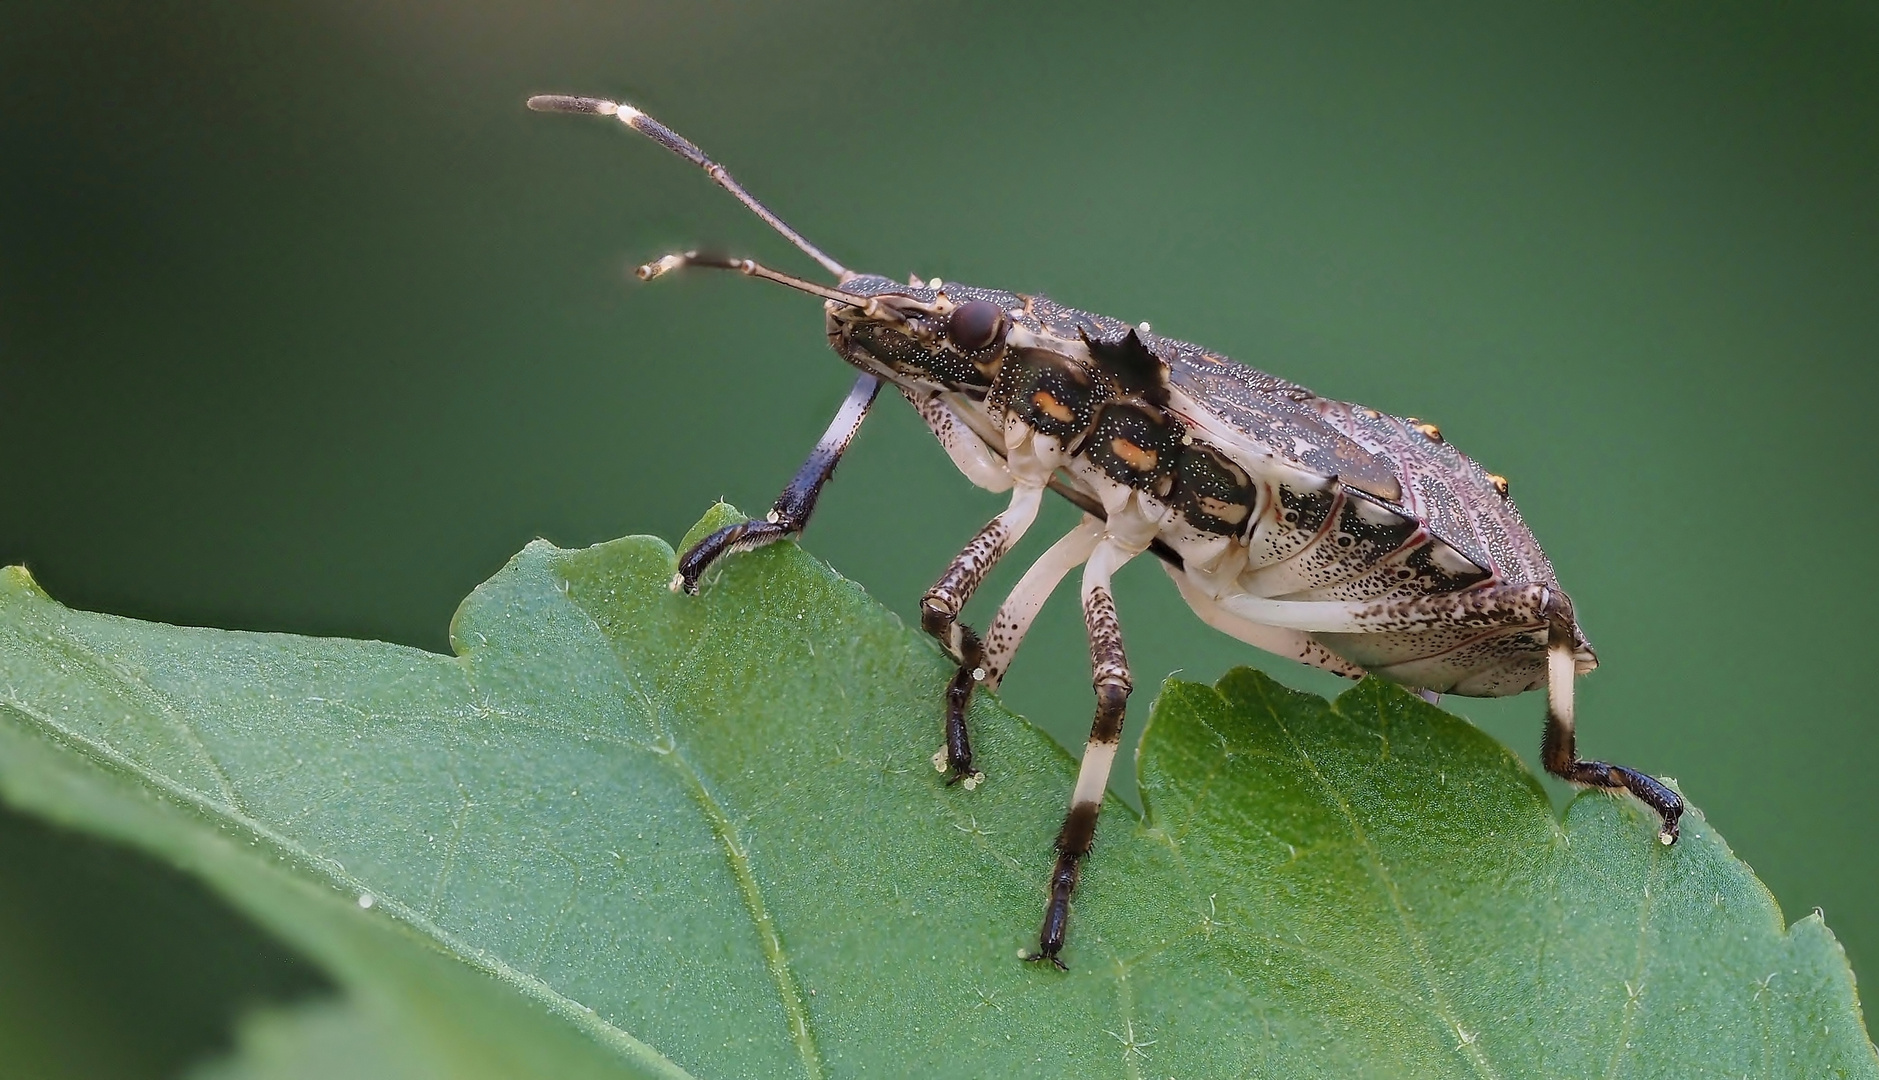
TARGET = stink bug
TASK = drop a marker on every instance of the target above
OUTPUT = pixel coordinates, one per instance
(1336, 535)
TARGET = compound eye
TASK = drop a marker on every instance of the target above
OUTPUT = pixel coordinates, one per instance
(974, 324)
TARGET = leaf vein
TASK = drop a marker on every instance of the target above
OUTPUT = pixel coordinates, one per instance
(1418, 948)
(109, 760)
(737, 856)
(71, 646)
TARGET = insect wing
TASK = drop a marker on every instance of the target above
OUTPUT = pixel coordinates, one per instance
(1260, 416)
(1452, 494)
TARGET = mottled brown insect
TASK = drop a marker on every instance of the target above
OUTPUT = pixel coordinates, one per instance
(1336, 535)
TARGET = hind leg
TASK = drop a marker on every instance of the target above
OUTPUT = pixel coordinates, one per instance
(1559, 752)
(1503, 606)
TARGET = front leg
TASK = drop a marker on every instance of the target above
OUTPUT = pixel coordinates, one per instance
(790, 514)
(939, 616)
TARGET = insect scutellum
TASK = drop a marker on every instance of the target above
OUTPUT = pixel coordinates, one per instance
(1318, 530)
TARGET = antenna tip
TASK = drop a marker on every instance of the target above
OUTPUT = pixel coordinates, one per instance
(562, 103)
(659, 267)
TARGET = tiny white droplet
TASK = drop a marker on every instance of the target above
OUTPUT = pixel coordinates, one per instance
(366, 901)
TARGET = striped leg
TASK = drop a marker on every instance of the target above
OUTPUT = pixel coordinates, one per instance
(1560, 754)
(939, 616)
(790, 514)
(1110, 675)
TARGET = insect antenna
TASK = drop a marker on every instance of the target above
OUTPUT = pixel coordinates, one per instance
(685, 148)
(751, 267)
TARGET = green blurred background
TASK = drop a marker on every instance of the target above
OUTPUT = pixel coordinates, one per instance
(306, 325)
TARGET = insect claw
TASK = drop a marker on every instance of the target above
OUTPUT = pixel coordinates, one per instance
(1671, 829)
(1035, 957)
(968, 780)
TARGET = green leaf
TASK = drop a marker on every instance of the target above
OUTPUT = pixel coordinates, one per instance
(318, 1041)
(629, 833)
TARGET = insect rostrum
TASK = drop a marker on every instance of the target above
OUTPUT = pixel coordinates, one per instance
(1336, 535)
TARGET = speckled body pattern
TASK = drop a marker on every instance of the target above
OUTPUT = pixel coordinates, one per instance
(1352, 505)
(1315, 529)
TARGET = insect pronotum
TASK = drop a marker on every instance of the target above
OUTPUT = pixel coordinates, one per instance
(1335, 535)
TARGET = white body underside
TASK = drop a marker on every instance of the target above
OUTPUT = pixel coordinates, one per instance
(1271, 587)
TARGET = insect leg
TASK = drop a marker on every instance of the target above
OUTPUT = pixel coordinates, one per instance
(791, 511)
(1021, 606)
(1505, 605)
(1558, 750)
(969, 453)
(1291, 644)
(1109, 669)
(939, 616)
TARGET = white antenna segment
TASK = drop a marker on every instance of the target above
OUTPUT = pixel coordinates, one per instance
(685, 148)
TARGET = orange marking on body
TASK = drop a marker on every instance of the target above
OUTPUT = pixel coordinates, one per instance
(1134, 456)
(1052, 408)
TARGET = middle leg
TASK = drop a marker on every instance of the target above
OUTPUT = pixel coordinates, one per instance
(1020, 608)
(1109, 670)
(939, 616)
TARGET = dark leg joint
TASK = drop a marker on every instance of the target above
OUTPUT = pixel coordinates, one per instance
(958, 696)
(1112, 706)
(938, 615)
